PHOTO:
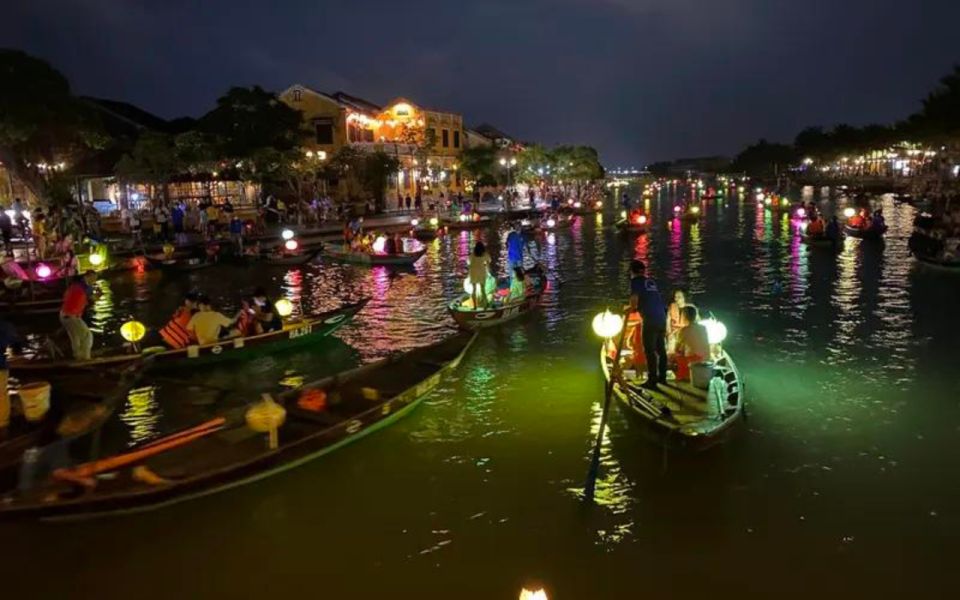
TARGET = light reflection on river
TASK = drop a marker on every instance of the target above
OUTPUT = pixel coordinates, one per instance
(841, 480)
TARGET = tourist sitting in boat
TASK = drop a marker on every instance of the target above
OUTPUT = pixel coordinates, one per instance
(69, 264)
(674, 318)
(692, 342)
(478, 269)
(175, 333)
(816, 227)
(265, 315)
(208, 325)
(878, 223)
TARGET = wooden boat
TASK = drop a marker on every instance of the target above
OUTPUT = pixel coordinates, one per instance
(192, 263)
(25, 307)
(637, 227)
(582, 207)
(938, 262)
(289, 259)
(469, 223)
(293, 335)
(470, 319)
(226, 453)
(678, 413)
(865, 233)
(559, 222)
(819, 241)
(365, 258)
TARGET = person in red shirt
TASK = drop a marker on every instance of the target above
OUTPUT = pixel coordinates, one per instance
(75, 302)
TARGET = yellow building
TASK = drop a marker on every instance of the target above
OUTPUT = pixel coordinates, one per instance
(428, 143)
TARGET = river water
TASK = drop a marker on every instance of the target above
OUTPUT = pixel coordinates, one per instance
(842, 480)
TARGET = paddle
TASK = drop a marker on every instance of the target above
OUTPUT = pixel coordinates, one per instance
(590, 486)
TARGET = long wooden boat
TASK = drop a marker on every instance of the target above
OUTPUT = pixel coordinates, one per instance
(625, 225)
(469, 319)
(290, 259)
(469, 223)
(938, 262)
(293, 335)
(226, 453)
(864, 233)
(365, 258)
(677, 413)
(178, 264)
(819, 241)
(25, 307)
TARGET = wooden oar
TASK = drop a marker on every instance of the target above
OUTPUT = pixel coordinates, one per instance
(112, 463)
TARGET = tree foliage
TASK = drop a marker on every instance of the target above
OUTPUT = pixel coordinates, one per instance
(479, 163)
(764, 159)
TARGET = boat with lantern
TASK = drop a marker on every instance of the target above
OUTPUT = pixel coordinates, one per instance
(465, 221)
(178, 263)
(247, 444)
(295, 334)
(373, 258)
(582, 207)
(498, 312)
(693, 414)
(636, 221)
(864, 233)
(426, 229)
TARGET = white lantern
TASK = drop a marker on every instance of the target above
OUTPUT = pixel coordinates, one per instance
(716, 331)
(607, 324)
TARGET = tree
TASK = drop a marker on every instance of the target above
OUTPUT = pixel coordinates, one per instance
(44, 128)
(764, 159)
(939, 120)
(376, 170)
(577, 165)
(660, 169)
(153, 160)
(362, 174)
(534, 163)
(479, 163)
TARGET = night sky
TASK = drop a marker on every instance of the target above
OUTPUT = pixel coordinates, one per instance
(641, 80)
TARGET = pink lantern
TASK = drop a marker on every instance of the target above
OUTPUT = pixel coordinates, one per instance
(43, 271)
(291, 245)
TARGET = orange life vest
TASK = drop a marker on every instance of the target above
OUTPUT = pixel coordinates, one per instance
(175, 332)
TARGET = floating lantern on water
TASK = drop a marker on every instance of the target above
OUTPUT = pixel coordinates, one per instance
(287, 234)
(380, 245)
(676, 209)
(43, 271)
(599, 204)
(607, 324)
(133, 331)
(768, 201)
(695, 210)
(849, 212)
(476, 216)
(716, 331)
(284, 307)
(291, 245)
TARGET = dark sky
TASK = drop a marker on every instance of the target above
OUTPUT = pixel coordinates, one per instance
(641, 80)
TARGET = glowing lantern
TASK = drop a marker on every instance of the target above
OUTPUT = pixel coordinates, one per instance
(801, 212)
(551, 223)
(768, 201)
(380, 245)
(266, 417)
(759, 204)
(761, 196)
(476, 216)
(133, 331)
(716, 331)
(526, 594)
(623, 214)
(284, 307)
(607, 324)
(287, 234)
(464, 218)
(414, 222)
(695, 210)
(849, 212)
(490, 285)
(291, 245)
(599, 204)
(570, 202)
(434, 221)
(676, 209)
(577, 205)
(641, 220)
(43, 271)
(95, 259)
(168, 250)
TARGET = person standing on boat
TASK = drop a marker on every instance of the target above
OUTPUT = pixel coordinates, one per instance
(479, 269)
(8, 339)
(75, 301)
(645, 298)
(6, 230)
(515, 248)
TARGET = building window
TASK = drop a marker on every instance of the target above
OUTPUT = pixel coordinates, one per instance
(456, 139)
(297, 95)
(430, 135)
(324, 128)
(446, 138)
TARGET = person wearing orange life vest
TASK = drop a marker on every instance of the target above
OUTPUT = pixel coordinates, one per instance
(175, 333)
(75, 302)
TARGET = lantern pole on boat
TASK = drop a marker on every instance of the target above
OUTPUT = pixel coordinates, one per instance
(606, 325)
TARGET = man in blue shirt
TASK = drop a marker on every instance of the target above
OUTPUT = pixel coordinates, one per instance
(645, 298)
(515, 248)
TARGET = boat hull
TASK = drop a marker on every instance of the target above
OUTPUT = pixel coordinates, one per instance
(359, 258)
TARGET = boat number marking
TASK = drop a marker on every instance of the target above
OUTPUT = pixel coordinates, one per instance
(386, 409)
(300, 331)
(335, 319)
(354, 426)
(216, 349)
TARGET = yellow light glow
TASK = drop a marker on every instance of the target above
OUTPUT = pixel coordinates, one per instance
(526, 594)
(133, 331)
(434, 221)
(695, 210)
(849, 212)
(96, 260)
(284, 307)
(607, 324)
